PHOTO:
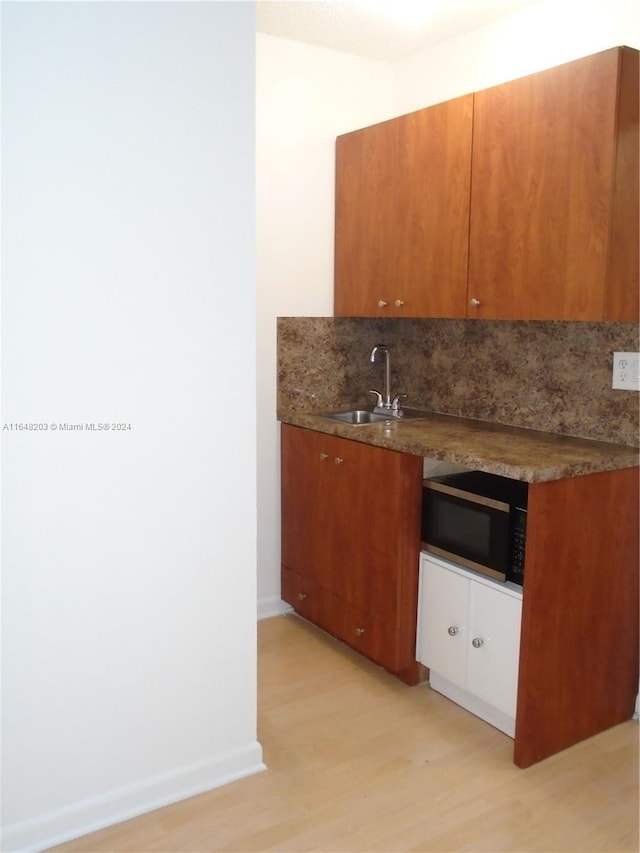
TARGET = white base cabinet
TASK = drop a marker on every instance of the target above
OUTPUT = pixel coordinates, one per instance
(469, 636)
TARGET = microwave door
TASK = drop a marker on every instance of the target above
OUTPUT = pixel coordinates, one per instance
(473, 533)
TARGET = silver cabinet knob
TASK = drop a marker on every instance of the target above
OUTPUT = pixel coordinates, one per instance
(324, 456)
(474, 303)
(338, 460)
(359, 632)
(452, 630)
(477, 642)
(382, 303)
(399, 303)
(302, 596)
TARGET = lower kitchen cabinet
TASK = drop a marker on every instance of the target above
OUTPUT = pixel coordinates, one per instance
(469, 637)
(559, 655)
(351, 543)
(571, 662)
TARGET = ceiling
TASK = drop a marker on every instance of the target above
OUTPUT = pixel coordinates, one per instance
(363, 27)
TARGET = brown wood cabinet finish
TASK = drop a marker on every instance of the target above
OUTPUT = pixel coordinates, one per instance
(366, 208)
(402, 215)
(350, 545)
(579, 637)
(519, 202)
(554, 193)
(351, 541)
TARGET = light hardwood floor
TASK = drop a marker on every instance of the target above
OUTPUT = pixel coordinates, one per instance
(357, 761)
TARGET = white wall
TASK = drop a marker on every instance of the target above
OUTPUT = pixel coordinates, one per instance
(305, 97)
(128, 632)
(545, 34)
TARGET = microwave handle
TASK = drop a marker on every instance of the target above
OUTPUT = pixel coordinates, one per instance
(472, 497)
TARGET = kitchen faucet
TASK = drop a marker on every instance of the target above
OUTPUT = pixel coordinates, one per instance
(384, 404)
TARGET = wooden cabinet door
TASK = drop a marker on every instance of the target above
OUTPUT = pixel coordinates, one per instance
(622, 296)
(375, 551)
(432, 216)
(402, 215)
(351, 540)
(365, 232)
(306, 469)
(374, 527)
(494, 624)
(547, 210)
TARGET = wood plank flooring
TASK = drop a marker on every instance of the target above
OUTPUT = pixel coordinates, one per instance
(358, 761)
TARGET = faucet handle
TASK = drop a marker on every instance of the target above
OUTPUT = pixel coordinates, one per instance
(395, 405)
(378, 398)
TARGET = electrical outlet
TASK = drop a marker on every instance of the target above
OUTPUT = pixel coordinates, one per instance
(626, 371)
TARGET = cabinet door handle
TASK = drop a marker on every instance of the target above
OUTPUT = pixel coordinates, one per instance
(338, 460)
(474, 303)
(452, 630)
(477, 642)
(359, 632)
(302, 596)
(399, 303)
(324, 456)
(382, 303)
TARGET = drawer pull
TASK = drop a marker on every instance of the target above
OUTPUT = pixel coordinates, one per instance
(338, 460)
(359, 632)
(382, 303)
(477, 642)
(324, 456)
(302, 596)
(452, 630)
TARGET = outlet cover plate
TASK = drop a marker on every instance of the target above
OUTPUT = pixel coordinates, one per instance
(626, 371)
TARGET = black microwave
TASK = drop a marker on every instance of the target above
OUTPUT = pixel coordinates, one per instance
(477, 520)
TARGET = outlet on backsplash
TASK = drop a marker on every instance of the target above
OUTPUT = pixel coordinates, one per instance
(626, 371)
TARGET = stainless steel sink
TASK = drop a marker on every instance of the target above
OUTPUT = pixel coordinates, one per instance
(360, 417)
(356, 417)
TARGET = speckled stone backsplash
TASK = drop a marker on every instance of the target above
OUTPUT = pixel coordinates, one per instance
(550, 376)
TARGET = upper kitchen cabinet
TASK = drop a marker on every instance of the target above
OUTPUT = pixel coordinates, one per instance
(402, 215)
(554, 194)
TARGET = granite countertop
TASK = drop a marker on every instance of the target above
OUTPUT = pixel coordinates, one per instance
(522, 454)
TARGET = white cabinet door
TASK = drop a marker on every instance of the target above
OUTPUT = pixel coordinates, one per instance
(443, 622)
(469, 637)
(493, 647)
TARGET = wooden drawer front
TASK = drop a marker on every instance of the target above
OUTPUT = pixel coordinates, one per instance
(306, 598)
(368, 634)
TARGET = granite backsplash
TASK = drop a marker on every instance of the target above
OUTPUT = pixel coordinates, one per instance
(550, 376)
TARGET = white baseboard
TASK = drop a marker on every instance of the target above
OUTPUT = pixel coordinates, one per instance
(130, 801)
(273, 606)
